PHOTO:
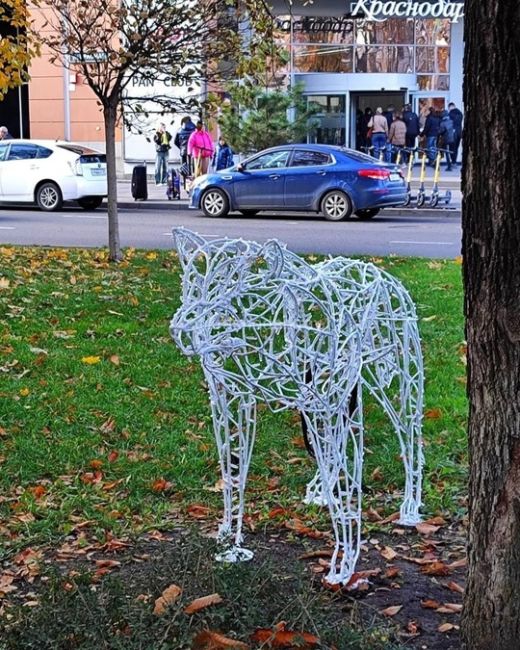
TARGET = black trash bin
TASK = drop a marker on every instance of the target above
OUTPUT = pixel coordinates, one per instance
(139, 184)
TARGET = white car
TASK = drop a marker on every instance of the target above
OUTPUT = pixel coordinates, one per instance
(48, 172)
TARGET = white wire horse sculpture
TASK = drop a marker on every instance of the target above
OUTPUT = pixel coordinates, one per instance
(268, 326)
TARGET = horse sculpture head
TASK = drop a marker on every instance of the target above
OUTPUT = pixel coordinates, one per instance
(216, 275)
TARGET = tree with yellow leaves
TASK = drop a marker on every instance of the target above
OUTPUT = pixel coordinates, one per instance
(18, 44)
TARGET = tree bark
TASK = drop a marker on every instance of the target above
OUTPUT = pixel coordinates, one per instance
(110, 116)
(491, 267)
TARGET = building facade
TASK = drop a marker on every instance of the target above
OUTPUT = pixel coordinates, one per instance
(349, 55)
(368, 53)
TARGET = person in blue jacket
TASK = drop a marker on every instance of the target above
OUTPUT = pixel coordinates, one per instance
(223, 157)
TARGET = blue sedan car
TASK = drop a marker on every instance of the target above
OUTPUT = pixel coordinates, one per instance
(335, 181)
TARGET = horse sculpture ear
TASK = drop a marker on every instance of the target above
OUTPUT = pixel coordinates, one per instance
(273, 254)
(187, 244)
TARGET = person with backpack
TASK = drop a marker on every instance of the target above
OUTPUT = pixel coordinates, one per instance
(456, 117)
(411, 119)
(181, 141)
(431, 133)
(223, 157)
(446, 137)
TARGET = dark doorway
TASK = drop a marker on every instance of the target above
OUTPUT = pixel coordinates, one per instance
(14, 112)
(360, 101)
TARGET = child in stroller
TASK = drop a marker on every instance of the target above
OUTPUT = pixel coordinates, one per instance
(173, 185)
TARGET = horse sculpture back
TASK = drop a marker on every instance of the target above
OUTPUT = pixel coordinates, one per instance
(269, 327)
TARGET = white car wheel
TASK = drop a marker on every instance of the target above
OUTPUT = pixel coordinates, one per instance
(48, 197)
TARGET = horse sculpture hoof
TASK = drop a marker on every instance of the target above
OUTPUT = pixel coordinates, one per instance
(234, 554)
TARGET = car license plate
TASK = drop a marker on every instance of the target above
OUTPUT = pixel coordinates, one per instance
(98, 172)
(395, 176)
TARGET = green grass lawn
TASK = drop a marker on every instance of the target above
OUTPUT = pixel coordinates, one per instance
(105, 424)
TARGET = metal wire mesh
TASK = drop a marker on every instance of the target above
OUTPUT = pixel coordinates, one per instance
(269, 327)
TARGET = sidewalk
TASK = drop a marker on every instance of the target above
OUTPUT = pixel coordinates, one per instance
(157, 199)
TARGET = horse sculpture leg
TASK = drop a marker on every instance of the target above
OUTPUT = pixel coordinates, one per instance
(337, 441)
(234, 423)
(314, 491)
(407, 417)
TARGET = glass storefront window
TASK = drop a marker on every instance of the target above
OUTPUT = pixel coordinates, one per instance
(384, 59)
(432, 59)
(433, 82)
(316, 58)
(328, 123)
(397, 45)
(394, 30)
(432, 32)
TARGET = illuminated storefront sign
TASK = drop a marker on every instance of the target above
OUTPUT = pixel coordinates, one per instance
(379, 10)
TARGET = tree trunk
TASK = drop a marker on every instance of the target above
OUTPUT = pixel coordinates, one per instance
(491, 249)
(114, 245)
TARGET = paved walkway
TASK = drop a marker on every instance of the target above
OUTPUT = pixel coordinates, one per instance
(157, 199)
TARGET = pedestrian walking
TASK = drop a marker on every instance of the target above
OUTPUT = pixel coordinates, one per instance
(181, 142)
(162, 139)
(200, 147)
(389, 114)
(379, 127)
(411, 119)
(446, 137)
(4, 133)
(223, 157)
(397, 134)
(367, 130)
(431, 133)
(456, 117)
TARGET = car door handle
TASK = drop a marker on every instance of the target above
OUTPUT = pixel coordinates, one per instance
(321, 173)
(274, 176)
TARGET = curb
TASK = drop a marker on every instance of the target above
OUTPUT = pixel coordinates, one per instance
(143, 206)
(152, 205)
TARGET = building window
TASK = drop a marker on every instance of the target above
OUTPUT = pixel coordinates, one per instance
(396, 45)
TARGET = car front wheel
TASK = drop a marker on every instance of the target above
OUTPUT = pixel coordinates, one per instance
(214, 203)
(48, 197)
(369, 213)
(90, 202)
(336, 206)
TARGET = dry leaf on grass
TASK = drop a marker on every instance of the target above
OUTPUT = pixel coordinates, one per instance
(447, 627)
(430, 604)
(168, 596)
(388, 553)
(202, 603)
(208, 640)
(284, 639)
(426, 529)
(450, 608)
(391, 611)
(454, 586)
(436, 569)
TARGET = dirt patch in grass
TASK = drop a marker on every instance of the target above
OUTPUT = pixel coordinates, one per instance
(91, 595)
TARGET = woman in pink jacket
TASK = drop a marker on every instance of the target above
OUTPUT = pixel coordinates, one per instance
(200, 147)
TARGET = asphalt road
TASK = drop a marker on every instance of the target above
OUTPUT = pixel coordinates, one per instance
(415, 233)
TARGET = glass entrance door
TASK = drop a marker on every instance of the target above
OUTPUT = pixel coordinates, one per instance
(421, 104)
(328, 124)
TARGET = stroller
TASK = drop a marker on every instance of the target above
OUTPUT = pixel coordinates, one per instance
(186, 175)
(173, 185)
